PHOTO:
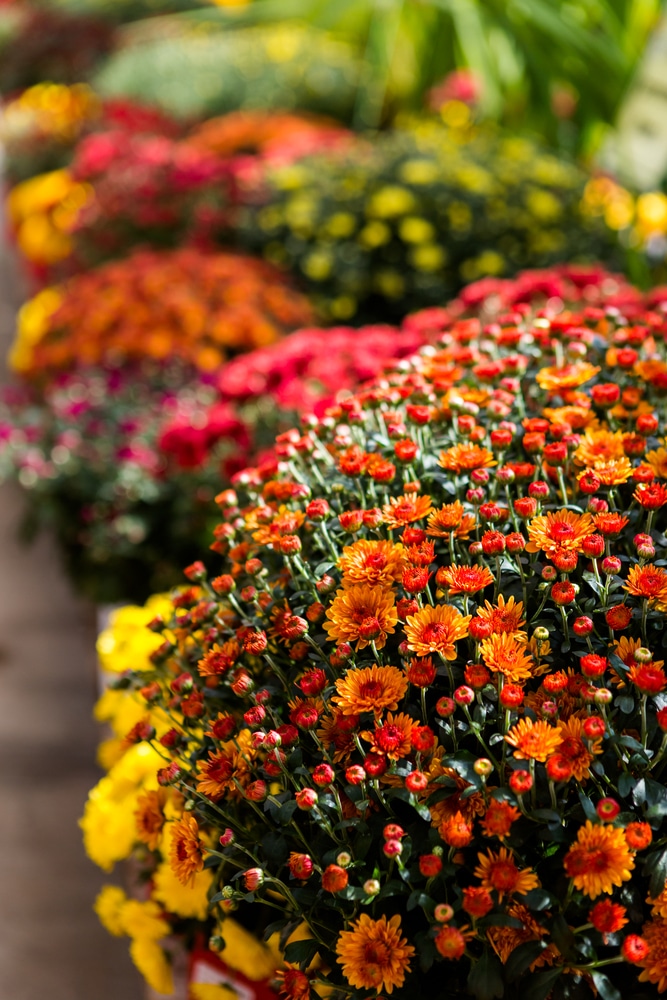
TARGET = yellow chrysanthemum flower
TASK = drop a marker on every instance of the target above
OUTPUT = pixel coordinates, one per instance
(108, 822)
(127, 643)
(109, 906)
(189, 902)
(143, 920)
(153, 965)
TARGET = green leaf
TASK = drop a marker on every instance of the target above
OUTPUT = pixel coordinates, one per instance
(630, 742)
(625, 784)
(393, 888)
(522, 957)
(655, 866)
(625, 703)
(418, 898)
(301, 952)
(539, 986)
(485, 981)
(548, 815)
(286, 811)
(604, 986)
(619, 666)
(588, 807)
(639, 792)
(537, 899)
(562, 935)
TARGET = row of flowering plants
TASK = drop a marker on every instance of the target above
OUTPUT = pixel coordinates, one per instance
(420, 705)
(122, 465)
(430, 205)
(135, 176)
(122, 458)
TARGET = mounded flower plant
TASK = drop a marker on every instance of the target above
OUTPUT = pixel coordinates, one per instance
(421, 706)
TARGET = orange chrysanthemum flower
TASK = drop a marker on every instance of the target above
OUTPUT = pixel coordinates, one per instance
(498, 818)
(599, 445)
(450, 518)
(567, 377)
(224, 769)
(647, 581)
(464, 579)
(361, 615)
(150, 818)
(456, 830)
(466, 457)
(499, 872)
(505, 616)
(436, 630)
(373, 954)
(612, 473)
(445, 519)
(219, 659)
(370, 689)
(654, 966)
(534, 740)
(560, 530)
(609, 523)
(659, 904)
(503, 654)
(393, 736)
(373, 562)
(337, 734)
(294, 984)
(285, 522)
(576, 416)
(406, 509)
(451, 941)
(574, 750)
(599, 860)
(504, 940)
(186, 850)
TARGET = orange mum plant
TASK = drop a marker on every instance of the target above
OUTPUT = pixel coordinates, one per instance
(197, 307)
(422, 706)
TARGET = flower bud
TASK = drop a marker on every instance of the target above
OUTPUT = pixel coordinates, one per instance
(611, 565)
(520, 782)
(392, 848)
(607, 809)
(583, 626)
(483, 767)
(253, 878)
(464, 695)
(445, 707)
(416, 781)
(323, 775)
(306, 799)
(355, 774)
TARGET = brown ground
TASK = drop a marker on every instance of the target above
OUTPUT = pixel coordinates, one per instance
(51, 943)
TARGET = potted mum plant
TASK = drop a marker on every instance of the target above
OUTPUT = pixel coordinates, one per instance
(420, 709)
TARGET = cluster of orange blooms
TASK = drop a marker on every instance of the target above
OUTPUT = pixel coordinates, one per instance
(421, 707)
(278, 136)
(184, 304)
